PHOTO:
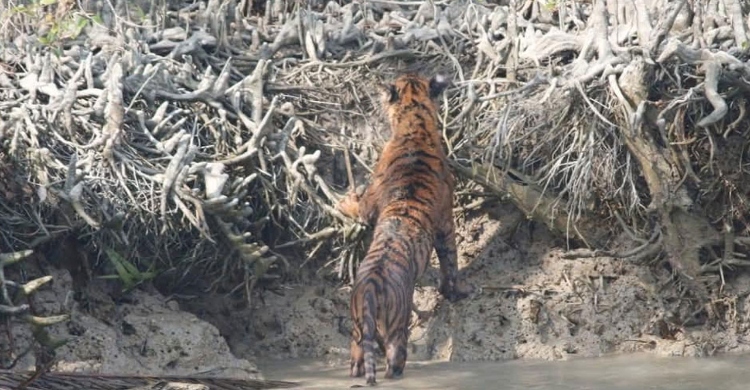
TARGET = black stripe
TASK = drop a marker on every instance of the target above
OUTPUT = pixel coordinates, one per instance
(418, 222)
(409, 192)
(416, 105)
(398, 298)
(414, 154)
(412, 169)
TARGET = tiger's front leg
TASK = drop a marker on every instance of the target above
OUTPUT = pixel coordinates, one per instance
(359, 204)
(349, 205)
(445, 246)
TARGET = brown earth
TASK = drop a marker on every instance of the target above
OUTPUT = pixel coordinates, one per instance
(142, 333)
(534, 304)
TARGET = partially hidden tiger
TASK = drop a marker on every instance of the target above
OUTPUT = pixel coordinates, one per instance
(409, 200)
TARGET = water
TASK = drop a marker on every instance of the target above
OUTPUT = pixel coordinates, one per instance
(627, 372)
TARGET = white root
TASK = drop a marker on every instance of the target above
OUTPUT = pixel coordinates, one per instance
(711, 86)
(642, 22)
(551, 44)
(115, 111)
(734, 10)
(712, 62)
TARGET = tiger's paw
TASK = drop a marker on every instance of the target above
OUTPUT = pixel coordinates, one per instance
(394, 373)
(357, 369)
(454, 291)
(349, 204)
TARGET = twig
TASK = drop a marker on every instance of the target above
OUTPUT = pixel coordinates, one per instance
(365, 61)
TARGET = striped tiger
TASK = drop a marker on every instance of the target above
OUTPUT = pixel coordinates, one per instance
(410, 202)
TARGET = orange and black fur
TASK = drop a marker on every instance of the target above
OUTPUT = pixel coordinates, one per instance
(410, 202)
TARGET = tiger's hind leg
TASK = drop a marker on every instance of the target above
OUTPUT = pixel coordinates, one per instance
(357, 356)
(445, 246)
(395, 353)
(357, 360)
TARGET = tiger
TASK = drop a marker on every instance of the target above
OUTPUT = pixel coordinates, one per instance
(409, 200)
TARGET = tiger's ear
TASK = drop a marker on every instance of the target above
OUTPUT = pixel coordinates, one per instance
(388, 92)
(438, 83)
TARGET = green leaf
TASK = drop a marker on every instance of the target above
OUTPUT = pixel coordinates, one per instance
(127, 272)
(108, 277)
(81, 24)
(47, 2)
(140, 14)
(122, 267)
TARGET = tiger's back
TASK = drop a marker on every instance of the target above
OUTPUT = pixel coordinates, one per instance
(410, 201)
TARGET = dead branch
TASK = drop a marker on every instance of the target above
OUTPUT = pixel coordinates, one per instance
(532, 201)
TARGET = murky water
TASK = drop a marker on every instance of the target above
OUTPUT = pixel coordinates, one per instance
(608, 373)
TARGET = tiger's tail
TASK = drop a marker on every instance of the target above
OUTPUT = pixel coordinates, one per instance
(369, 314)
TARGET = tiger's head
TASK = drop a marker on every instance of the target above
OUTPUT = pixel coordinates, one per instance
(410, 92)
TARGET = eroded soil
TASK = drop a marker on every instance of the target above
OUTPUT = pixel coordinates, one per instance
(143, 333)
(534, 305)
